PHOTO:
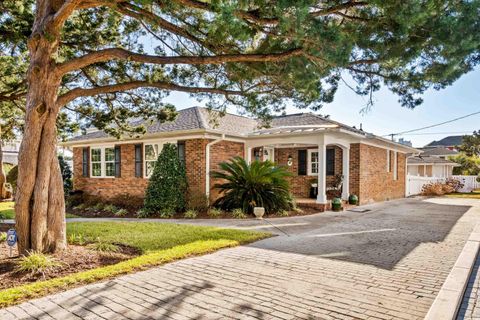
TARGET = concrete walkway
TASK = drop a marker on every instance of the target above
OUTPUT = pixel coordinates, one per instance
(387, 263)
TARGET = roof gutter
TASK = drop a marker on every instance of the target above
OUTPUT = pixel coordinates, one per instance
(207, 164)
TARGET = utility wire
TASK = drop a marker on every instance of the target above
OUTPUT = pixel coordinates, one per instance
(433, 125)
(437, 133)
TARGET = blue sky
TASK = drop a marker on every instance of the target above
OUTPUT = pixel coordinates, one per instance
(387, 116)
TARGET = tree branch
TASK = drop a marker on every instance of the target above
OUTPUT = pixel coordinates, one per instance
(64, 12)
(122, 54)
(81, 92)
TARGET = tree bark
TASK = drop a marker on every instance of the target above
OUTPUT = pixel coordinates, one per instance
(3, 177)
(40, 204)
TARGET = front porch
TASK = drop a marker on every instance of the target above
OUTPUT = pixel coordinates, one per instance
(322, 160)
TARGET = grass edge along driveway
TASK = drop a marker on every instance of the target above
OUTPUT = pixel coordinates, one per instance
(159, 243)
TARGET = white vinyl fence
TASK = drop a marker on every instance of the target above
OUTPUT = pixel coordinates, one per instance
(416, 183)
(469, 183)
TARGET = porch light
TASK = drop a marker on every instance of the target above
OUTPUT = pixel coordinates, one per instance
(289, 160)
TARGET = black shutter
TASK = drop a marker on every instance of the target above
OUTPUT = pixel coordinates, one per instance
(181, 151)
(302, 162)
(139, 160)
(118, 162)
(85, 161)
(330, 162)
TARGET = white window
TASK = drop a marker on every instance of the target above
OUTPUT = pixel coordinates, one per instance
(312, 162)
(151, 156)
(96, 162)
(102, 162)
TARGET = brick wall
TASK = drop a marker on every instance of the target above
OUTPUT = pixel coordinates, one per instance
(108, 188)
(300, 185)
(369, 177)
(220, 152)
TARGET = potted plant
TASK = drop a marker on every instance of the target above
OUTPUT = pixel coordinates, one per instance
(336, 204)
(353, 199)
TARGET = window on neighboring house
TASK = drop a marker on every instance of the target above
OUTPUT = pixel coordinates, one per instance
(151, 156)
(313, 162)
(109, 157)
(96, 162)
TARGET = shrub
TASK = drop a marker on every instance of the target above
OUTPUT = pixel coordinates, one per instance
(238, 214)
(127, 201)
(142, 213)
(103, 246)
(260, 184)
(167, 186)
(436, 189)
(190, 214)
(81, 206)
(12, 177)
(121, 213)
(3, 236)
(455, 184)
(110, 208)
(283, 213)
(197, 200)
(37, 263)
(98, 207)
(76, 238)
(214, 212)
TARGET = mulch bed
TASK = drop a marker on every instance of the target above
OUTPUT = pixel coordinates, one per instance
(74, 259)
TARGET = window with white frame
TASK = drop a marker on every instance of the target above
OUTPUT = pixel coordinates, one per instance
(151, 156)
(102, 162)
(312, 162)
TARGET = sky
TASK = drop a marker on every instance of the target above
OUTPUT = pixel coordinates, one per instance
(388, 116)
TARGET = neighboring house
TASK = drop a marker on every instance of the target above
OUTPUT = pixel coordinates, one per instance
(313, 148)
(10, 152)
(430, 166)
(450, 142)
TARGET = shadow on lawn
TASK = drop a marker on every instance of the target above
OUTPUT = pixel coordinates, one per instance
(381, 237)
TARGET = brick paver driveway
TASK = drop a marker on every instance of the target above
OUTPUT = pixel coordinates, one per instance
(387, 263)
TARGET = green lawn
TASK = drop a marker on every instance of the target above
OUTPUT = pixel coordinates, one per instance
(473, 195)
(7, 212)
(159, 243)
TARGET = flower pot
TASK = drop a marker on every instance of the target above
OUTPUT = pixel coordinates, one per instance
(259, 212)
(336, 204)
(353, 199)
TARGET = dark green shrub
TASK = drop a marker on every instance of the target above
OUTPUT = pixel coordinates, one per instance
(197, 200)
(127, 201)
(260, 184)
(12, 177)
(167, 186)
(66, 175)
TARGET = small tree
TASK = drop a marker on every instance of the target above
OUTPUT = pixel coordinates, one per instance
(471, 144)
(168, 184)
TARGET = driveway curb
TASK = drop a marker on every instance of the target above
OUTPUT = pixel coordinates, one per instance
(450, 296)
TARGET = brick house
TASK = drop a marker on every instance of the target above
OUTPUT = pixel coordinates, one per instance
(311, 147)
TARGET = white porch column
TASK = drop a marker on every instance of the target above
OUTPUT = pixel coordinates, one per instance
(322, 171)
(346, 173)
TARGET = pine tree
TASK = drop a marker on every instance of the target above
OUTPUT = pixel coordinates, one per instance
(167, 186)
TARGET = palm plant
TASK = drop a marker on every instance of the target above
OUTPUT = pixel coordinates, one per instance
(260, 184)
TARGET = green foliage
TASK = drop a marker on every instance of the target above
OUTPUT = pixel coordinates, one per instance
(167, 186)
(110, 208)
(121, 212)
(66, 175)
(81, 206)
(283, 213)
(37, 263)
(3, 236)
(190, 214)
(214, 212)
(197, 200)
(7, 167)
(76, 238)
(469, 165)
(7, 210)
(142, 213)
(238, 214)
(471, 145)
(12, 177)
(260, 184)
(104, 247)
(99, 206)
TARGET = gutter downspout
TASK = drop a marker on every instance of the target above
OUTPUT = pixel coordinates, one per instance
(207, 165)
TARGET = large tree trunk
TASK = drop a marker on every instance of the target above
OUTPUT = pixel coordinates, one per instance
(40, 205)
(3, 178)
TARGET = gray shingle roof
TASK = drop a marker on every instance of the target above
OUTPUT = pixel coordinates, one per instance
(439, 151)
(447, 142)
(428, 160)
